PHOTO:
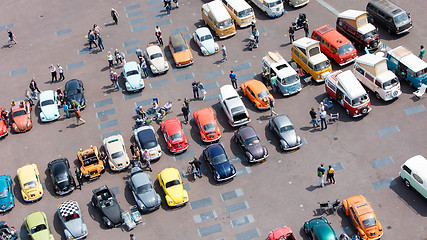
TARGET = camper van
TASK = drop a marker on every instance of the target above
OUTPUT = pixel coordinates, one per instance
(240, 11)
(414, 173)
(273, 8)
(217, 18)
(371, 70)
(288, 81)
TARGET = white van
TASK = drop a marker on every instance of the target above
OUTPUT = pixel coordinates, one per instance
(240, 11)
(273, 8)
(371, 70)
(414, 173)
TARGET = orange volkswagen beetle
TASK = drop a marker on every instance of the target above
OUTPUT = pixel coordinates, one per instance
(258, 93)
(21, 116)
(363, 217)
(208, 127)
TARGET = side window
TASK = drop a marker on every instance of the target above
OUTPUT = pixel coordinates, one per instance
(418, 178)
(394, 61)
(304, 59)
(325, 43)
(340, 23)
(347, 99)
(317, 37)
(389, 19)
(408, 170)
(235, 13)
(331, 86)
(296, 52)
(310, 65)
(378, 84)
(410, 72)
(359, 69)
(204, 12)
(333, 49)
(368, 76)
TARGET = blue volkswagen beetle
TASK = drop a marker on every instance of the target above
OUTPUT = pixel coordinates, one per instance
(6, 194)
(218, 162)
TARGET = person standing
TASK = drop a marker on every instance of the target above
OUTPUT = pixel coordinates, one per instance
(320, 173)
(146, 157)
(195, 85)
(291, 34)
(132, 237)
(233, 78)
(122, 54)
(96, 30)
(53, 73)
(202, 90)
(29, 98)
(116, 81)
(321, 107)
(159, 35)
(330, 175)
(12, 38)
(61, 72)
(224, 53)
(65, 107)
(138, 53)
(144, 67)
(306, 30)
(79, 117)
(34, 88)
(185, 112)
(187, 104)
(91, 38)
(100, 43)
(323, 119)
(256, 36)
(115, 16)
(110, 59)
(79, 178)
(313, 116)
(118, 56)
(422, 52)
(168, 6)
(271, 103)
(133, 150)
(176, 2)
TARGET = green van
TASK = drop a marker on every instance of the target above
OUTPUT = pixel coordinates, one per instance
(414, 173)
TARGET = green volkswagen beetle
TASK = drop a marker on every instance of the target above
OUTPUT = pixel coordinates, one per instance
(319, 228)
(37, 226)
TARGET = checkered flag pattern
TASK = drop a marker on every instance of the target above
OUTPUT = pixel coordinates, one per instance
(68, 208)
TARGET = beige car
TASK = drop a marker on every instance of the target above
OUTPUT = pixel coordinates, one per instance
(116, 152)
(156, 59)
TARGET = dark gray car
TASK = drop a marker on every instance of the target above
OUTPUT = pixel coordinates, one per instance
(282, 126)
(250, 143)
(107, 204)
(71, 217)
(143, 191)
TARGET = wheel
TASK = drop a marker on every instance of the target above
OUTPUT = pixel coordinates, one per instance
(411, 84)
(347, 111)
(364, 110)
(377, 95)
(389, 30)
(407, 183)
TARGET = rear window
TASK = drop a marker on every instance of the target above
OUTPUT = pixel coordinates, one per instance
(156, 55)
(47, 102)
(132, 72)
(369, 222)
(19, 113)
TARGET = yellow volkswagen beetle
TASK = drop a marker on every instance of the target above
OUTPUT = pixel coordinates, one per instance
(31, 188)
(171, 182)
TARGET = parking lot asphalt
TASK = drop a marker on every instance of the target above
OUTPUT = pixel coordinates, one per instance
(366, 152)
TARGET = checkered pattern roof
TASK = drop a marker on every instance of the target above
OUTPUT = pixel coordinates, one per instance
(68, 208)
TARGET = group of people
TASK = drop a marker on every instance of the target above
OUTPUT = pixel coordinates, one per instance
(159, 113)
(301, 22)
(54, 73)
(196, 87)
(330, 175)
(93, 35)
(136, 157)
(168, 5)
(118, 56)
(322, 112)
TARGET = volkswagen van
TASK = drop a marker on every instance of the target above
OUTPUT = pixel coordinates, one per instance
(355, 26)
(306, 53)
(288, 81)
(347, 91)
(407, 66)
(334, 45)
(273, 8)
(240, 11)
(371, 70)
(217, 18)
(392, 17)
(414, 173)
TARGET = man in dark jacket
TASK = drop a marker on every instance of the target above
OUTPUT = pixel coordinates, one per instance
(185, 112)
(313, 116)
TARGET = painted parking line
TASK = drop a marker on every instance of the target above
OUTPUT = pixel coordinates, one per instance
(203, 217)
(382, 162)
(128, 96)
(214, 74)
(237, 158)
(177, 69)
(64, 31)
(236, 207)
(160, 15)
(106, 113)
(75, 65)
(6, 27)
(108, 124)
(209, 230)
(187, 36)
(383, 183)
(159, 83)
(18, 71)
(337, 166)
(211, 97)
(144, 102)
(164, 22)
(84, 50)
(232, 194)
(179, 30)
(136, 21)
(304, 142)
(131, 50)
(242, 66)
(139, 28)
(245, 77)
(157, 8)
(131, 42)
(109, 134)
(184, 77)
(185, 155)
(240, 221)
(200, 203)
(210, 86)
(115, 190)
(154, 2)
(186, 186)
(132, 7)
(329, 7)
(102, 103)
(414, 110)
(387, 131)
(243, 171)
(134, 14)
(247, 235)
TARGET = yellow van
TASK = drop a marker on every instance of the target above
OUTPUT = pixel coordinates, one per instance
(240, 11)
(306, 53)
(216, 16)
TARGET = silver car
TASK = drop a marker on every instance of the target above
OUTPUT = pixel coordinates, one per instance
(282, 126)
(71, 217)
(143, 191)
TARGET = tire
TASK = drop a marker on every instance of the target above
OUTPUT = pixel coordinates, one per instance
(411, 84)
(377, 95)
(364, 110)
(407, 183)
(389, 30)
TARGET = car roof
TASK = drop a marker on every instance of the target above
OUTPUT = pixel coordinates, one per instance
(205, 116)
(46, 95)
(386, 6)
(228, 91)
(350, 84)
(140, 178)
(68, 208)
(282, 119)
(333, 37)
(113, 140)
(146, 134)
(18, 106)
(169, 174)
(177, 39)
(35, 218)
(130, 66)
(172, 125)
(27, 173)
(304, 42)
(275, 59)
(73, 83)
(370, 59)
(153, 49)
(215, 149)
(218, 11)
(318, 58)
(238, 5)
(351, 14)
(256, 86)
(407, 58)
(247, 132)
(418, 163)
(203, 31)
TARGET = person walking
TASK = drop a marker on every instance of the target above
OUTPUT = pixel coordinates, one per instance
(306, 30)
(176, 2)
(34, 89)
(12, 38)
(116, 81)
(195, 85)
(138, 53)
(320, 173)
(330, 175)
(79, 118)
(61, 72)
(65, 107)
(79, 178)
(146, 157)
(100, 43)
(256, 36)
(233, 78)
(159, 35)
(422, 52)
(96, 30)
(122, 54)
(53, 73)
(271, 103)
(144, 67)
(224, 53)
(202, 90)
(112, 77)
(187, 104)
(132, 237)
(291, 35)
(313, 116)
(110, 59)
(323, 119)
(168, 6)
(115, 15)
(185, 112)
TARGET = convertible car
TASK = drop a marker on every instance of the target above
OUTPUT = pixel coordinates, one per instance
(105, 201)
(71, 217)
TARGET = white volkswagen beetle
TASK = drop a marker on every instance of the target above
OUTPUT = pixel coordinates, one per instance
(132, 75)
(117, 157)
(48, 106)
(156, 59)
(203, 37)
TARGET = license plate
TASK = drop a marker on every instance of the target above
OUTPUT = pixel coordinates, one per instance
(93, 173)
(153, 154)
(33, 195)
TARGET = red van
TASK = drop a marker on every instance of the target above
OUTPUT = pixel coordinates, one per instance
(334, 45)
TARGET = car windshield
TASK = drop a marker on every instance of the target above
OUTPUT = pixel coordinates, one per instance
(289, 80)
(47, 102)
(176, 137)
(369, 222)
(156, 55)
(286, 128)
(422, 73)
(180, 48)
(117, 155)
(346, 48)
(252, 141)
(73, 92)
(206, 37)
(31, 184)
(263, 94)
(360, 100)
(225, 24)
(19, 113)
(38, 228)
(273, 4)
(132, 72)
(72, 216)
(390, 84)
(172, 183)
(61, 178)
(245, 13)
(210, 127)
(144, 188)
(322, 65)
(219, 159)
(401, 18)
(3, 194)
(371, 34)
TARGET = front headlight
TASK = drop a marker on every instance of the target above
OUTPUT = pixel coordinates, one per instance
(177, 63)
(233, 169)
(185, 197)
(140, 204)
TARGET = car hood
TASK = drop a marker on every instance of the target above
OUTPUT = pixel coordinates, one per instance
(176, 193)
(209, 45)
(182, 56)
(21, 122)
(75, 227)
(290, 137)
(78, 97)
(149, 199)
(159, 63)
(64, 186)
(135, 81)
(113, 213)
(224, 169)
(256, 150)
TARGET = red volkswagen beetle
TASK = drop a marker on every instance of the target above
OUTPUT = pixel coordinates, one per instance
(208, 127)
(284, 233)
(3, 126)
(21, 116)
(174, 135)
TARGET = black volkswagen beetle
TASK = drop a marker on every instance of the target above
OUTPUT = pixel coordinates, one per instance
(250, 143)
(74, 90)
(218, 162)
(61, 176)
